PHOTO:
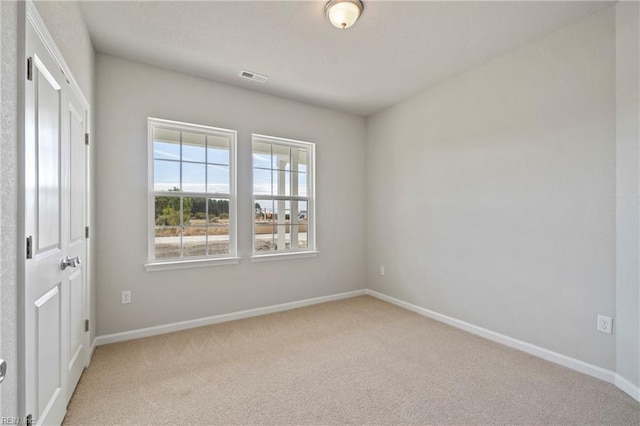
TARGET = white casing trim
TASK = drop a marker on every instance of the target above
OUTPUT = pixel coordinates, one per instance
(216, 319)
(572, 363)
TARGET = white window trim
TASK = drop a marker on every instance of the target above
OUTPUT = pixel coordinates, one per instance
(283, 256)
(191, 263)
(311, 250)
(154, 264)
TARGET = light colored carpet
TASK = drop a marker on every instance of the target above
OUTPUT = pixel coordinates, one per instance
(355, 361)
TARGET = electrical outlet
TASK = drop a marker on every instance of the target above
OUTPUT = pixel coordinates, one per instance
(605, 324)
(382, 270)
(126, 297)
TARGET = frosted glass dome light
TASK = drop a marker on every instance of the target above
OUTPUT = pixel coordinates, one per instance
(343, 13)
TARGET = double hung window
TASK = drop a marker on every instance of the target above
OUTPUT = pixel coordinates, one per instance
(283, 196)
(192, 194)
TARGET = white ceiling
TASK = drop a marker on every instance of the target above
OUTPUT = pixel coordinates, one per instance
(395, 50)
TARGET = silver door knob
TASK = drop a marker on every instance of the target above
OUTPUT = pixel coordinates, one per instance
(69, 261)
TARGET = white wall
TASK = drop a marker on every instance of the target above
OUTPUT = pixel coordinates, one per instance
(491, 198)
(128, 93)
(628, 190)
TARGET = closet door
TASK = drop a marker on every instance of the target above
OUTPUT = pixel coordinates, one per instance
(55, 206)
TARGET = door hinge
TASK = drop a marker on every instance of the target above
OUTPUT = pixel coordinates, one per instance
(86, 232)
(29, 247)
(29, 420)
(86, 325)
(86, 138)
(30, 68)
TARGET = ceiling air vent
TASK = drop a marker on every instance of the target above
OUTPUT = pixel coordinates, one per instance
(253, 76)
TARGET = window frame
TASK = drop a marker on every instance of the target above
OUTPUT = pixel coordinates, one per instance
(155, 264)
(310, 199)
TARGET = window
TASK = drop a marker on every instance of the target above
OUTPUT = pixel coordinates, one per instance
(283, 196)
(192, 194)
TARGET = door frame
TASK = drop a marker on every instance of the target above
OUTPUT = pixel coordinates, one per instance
(28, 15)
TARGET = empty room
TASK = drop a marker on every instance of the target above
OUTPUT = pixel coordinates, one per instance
(320, 212)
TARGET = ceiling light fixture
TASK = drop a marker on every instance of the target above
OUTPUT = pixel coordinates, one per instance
(343, 13)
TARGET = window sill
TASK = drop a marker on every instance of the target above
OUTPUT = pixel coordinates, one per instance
(283, 256)
(188, 264)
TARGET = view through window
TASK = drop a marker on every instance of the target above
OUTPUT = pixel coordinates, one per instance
(193, 190)
(282, 195)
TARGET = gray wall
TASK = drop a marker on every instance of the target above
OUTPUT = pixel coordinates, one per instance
(68, 29)
(628, 190)
(491, 198)
(128, 93)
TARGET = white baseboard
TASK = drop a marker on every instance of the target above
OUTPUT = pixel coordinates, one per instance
(628, 387)
(572, 363)
(216, 319)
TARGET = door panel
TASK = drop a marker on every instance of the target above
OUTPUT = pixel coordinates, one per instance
(48, 158)
(76, 319)
(77, 174)
(76, 349)
(47, 310)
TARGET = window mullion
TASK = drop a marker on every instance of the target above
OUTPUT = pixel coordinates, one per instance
(206, 226)
(181, 201)
(206, 199)
(181, 226)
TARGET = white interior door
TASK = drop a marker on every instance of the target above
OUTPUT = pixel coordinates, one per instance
(55, 205)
